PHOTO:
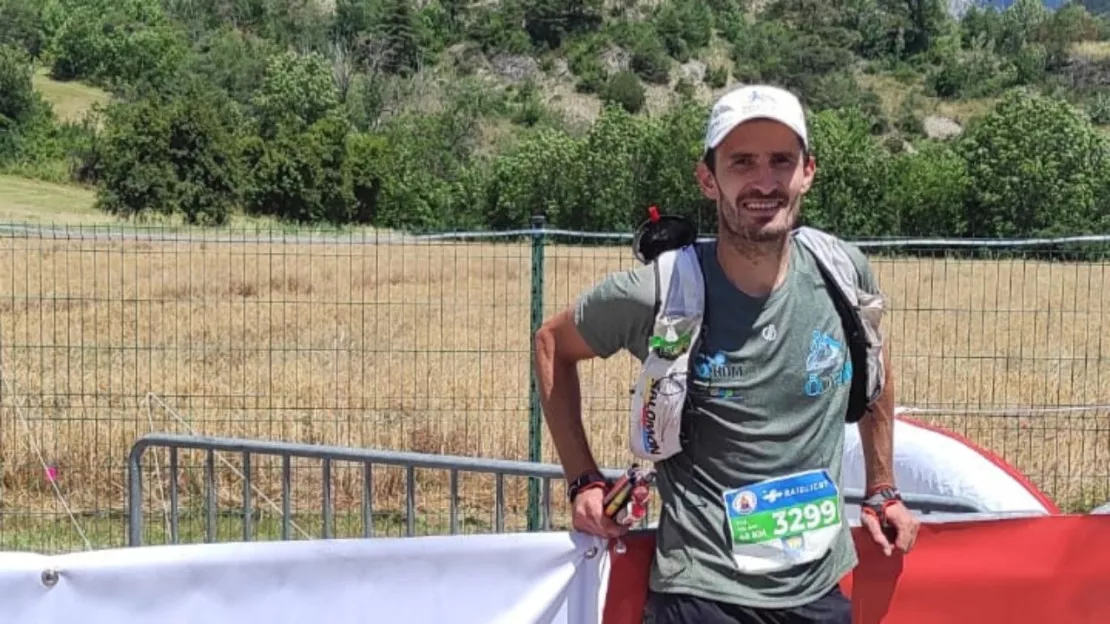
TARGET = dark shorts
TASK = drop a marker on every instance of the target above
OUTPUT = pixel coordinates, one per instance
(832, 608)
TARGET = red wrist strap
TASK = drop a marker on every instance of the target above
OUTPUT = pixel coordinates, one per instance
(593, 485)
(881, 513)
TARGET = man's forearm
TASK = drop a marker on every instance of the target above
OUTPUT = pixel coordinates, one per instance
(561, 400)
(876, 430)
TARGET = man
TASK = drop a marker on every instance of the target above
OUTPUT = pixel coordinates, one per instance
(768, 392)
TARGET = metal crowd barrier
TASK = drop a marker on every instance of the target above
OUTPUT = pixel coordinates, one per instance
(368, 458)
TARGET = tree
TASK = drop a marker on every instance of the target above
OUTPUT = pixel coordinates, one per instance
(398, 25)
(19, 104)
(21, 25)
(124, 44)
(1036, 167)
(297, 91)
(171, 155)
(921, 22)
(848, 194)
(300, 174)
(929, 188)
(550, 22)
(16, 90)
(685, 26)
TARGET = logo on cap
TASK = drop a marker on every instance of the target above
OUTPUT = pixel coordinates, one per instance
(758, 100)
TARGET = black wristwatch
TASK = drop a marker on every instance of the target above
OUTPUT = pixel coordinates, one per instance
(587, 478)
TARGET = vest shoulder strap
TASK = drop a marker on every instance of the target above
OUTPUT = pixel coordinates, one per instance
(860, 313)
(679, 300)
(834, 259)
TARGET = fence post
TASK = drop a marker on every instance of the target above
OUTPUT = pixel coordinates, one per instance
(535, 420)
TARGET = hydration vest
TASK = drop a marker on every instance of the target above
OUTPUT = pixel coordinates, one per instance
(659, 398)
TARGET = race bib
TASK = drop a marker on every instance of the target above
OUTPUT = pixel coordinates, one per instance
(779, 523)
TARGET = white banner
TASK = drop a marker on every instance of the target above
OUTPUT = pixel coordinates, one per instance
(514, 578)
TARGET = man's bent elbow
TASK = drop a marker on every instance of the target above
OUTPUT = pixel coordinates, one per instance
(558, 341)
(544, 345)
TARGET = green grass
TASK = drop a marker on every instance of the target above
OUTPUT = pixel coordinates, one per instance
(71, 100)
(38, 202)
(27, 200)
(33, 201)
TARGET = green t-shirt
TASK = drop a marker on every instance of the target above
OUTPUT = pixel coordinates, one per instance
(769, 387)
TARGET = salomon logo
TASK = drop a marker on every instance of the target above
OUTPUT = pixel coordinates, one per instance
(648, 418)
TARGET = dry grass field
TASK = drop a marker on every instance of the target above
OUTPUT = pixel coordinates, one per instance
(1091, 50)
(425, 347)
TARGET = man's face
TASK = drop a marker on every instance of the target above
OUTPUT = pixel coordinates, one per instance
(761, 175)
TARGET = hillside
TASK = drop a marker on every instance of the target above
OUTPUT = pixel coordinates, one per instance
(959, 6)
(450, 114)
(1005, 4)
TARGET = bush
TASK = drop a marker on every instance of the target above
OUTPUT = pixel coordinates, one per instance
(908, 120)
(550, 22)
(584, 60)
(929, 189)
(174, 156)
(648, 56)
(298, 174)
(716, 76)
(684, 27)
(624, 89)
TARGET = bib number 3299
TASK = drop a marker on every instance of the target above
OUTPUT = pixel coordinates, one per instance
(782, 522)
(807, 517)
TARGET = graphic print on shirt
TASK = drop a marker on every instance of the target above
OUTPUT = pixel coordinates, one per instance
(716, 369)
(827, 365)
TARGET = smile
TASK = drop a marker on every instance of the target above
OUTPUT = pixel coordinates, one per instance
(762, 205)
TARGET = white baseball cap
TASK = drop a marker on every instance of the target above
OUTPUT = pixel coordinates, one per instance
(755, 102)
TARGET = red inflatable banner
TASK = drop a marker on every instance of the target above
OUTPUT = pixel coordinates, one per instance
(1043, 569)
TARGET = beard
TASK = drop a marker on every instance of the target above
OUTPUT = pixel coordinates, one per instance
(764, 220)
